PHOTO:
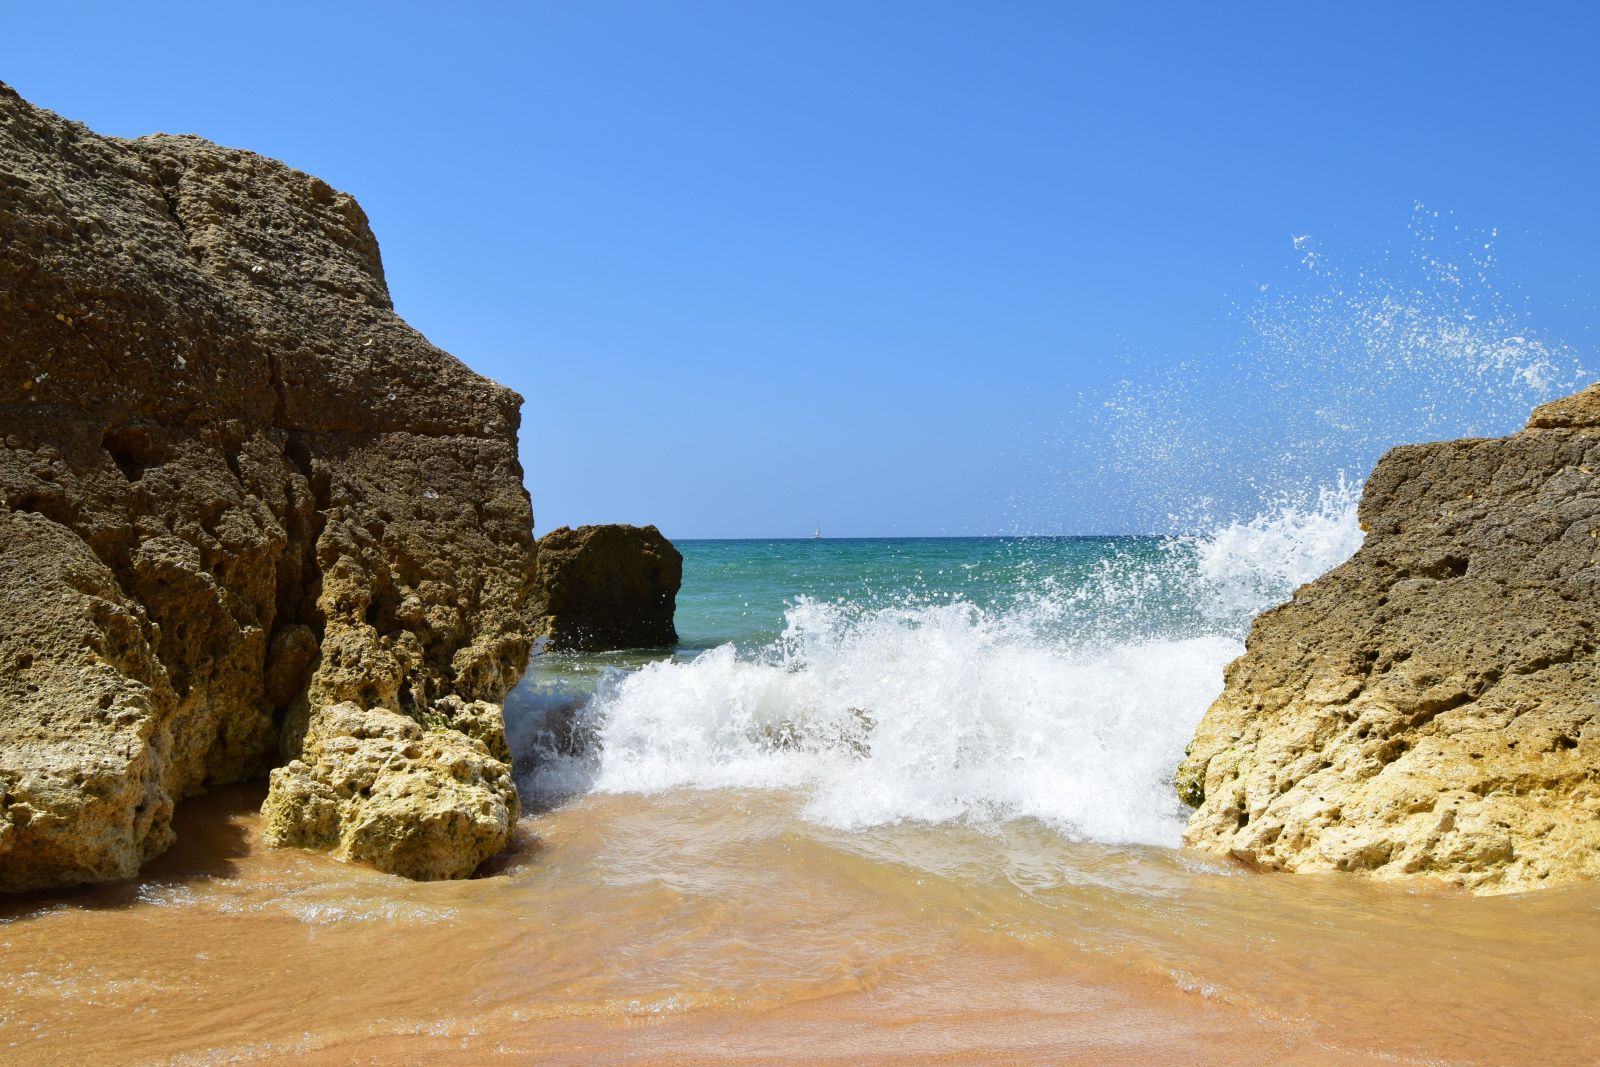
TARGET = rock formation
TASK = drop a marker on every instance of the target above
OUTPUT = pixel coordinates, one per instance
(1432, 706)
(249, 515)
(599, 587)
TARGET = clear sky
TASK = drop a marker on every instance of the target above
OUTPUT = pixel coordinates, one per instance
(757, 266)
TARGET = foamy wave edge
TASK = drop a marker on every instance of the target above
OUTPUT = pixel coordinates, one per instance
(944, 712)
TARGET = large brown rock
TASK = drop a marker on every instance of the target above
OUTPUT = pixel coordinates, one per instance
(237, 490)
(1432, 706)
(604, 587)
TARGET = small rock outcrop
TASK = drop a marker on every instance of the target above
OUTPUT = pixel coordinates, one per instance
(605, 587)
(377, 787)
(247, 516)
(1432, 706)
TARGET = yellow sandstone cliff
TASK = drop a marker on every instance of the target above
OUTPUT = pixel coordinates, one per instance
(250, 518)
(1432, 706)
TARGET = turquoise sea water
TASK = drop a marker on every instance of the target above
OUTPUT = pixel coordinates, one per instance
(738, 591)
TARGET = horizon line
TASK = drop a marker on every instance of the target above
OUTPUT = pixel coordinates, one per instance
(938, 537)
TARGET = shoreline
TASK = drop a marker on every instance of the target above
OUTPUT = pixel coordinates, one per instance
(709, 926)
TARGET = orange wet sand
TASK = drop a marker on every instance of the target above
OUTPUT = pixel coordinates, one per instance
(719, 927)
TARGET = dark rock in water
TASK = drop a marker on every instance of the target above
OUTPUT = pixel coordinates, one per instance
(249, 515)
(1432, 706)
(607, 587)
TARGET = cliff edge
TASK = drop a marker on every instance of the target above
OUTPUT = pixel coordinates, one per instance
(1432, 706)
(251, 518)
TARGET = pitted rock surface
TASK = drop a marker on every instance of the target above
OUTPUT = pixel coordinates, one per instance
(384, 791)
(238, 491)
(1432, 706)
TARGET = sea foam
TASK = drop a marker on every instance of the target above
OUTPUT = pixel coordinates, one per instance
(1047, 709)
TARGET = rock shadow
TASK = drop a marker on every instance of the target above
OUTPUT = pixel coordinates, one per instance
(213, 830)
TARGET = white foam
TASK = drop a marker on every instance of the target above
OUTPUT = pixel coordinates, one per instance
(930, 715)
(951, 712)
(1245, 567)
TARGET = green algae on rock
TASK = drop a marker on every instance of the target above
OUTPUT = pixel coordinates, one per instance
(1432, 706)
(239, 491)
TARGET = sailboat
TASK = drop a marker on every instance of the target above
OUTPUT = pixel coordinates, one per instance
(818, 533)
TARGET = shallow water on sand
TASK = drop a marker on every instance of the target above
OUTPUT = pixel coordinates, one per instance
(691, 926)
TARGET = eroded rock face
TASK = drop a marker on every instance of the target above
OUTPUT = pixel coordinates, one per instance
(238, 491)
(1432, 706)
(602, 587)
(374, 786)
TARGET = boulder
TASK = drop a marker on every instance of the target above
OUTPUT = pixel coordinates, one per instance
(236, 491)
(606, 587)
(372, 785)
(1431, 708)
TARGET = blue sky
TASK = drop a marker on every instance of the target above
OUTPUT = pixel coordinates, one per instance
(881, 265)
